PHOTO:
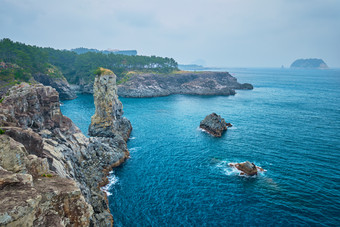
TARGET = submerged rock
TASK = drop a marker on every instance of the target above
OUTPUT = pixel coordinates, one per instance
(108, 120)
(214, 124)
(247, 168)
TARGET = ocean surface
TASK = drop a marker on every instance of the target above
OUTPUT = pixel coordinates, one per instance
(179, 176)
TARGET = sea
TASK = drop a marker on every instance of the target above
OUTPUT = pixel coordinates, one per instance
(178, 175)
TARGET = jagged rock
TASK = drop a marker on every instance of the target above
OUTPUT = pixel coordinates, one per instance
(32, 106)
(108, 120)
(182, 82)
(59, 83)
(28, 202)
(214, 124)
(39, 141)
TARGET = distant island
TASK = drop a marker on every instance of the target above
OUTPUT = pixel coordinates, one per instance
(310, 63)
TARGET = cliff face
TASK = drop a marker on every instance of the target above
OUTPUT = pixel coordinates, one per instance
(50, 172)
(193, 83)
(108, 120)
(141, 85)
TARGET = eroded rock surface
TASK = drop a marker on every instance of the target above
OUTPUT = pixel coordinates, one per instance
(108, 120)
(50, 173)
(214, 124)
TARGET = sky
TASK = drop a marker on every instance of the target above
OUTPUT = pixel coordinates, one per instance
(221, 33)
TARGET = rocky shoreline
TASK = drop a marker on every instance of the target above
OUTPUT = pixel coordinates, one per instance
(143, 85)
(51, 174)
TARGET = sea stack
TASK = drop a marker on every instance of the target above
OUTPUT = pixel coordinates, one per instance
(214, 124)
(108, 120)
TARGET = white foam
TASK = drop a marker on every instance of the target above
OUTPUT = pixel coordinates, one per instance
(134, 149)
(200, 129)
(132, 138)
(229, 169)
(113, 179)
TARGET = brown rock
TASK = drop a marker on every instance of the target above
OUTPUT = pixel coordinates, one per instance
(247, 168)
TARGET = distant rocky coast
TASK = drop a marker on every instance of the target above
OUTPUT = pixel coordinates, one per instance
(141, 85)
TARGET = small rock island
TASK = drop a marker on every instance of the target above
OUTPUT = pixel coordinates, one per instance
(214, 124)
(311, 63)
(247, 168)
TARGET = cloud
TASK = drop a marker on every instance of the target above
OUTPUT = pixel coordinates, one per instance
(221, 32)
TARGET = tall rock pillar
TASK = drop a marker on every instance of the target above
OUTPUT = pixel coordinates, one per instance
(108, 120)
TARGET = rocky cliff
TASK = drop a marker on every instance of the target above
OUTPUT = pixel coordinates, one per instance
(50, 173)
(193, 83)
(60, 84)
(138, 84)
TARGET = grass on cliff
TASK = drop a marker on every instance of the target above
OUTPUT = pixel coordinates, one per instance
(101, 71)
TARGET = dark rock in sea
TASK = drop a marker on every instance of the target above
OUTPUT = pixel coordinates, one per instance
(181, 82)
(214, 124)
(108, 120)
(50, 173)
(247, 168)
(59, 83)
(309, 63)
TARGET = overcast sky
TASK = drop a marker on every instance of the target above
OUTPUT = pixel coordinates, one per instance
(230, 33)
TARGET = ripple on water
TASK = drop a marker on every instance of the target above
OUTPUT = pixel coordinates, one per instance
(178, 175)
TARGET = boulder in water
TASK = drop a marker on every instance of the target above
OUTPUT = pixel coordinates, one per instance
(214, 124)
(247, 168)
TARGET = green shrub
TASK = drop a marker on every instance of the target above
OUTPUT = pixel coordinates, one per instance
(2, 131)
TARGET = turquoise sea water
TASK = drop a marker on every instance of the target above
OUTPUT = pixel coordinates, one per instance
(178, 175)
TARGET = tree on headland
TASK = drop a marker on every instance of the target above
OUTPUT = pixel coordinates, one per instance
(75, 67)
